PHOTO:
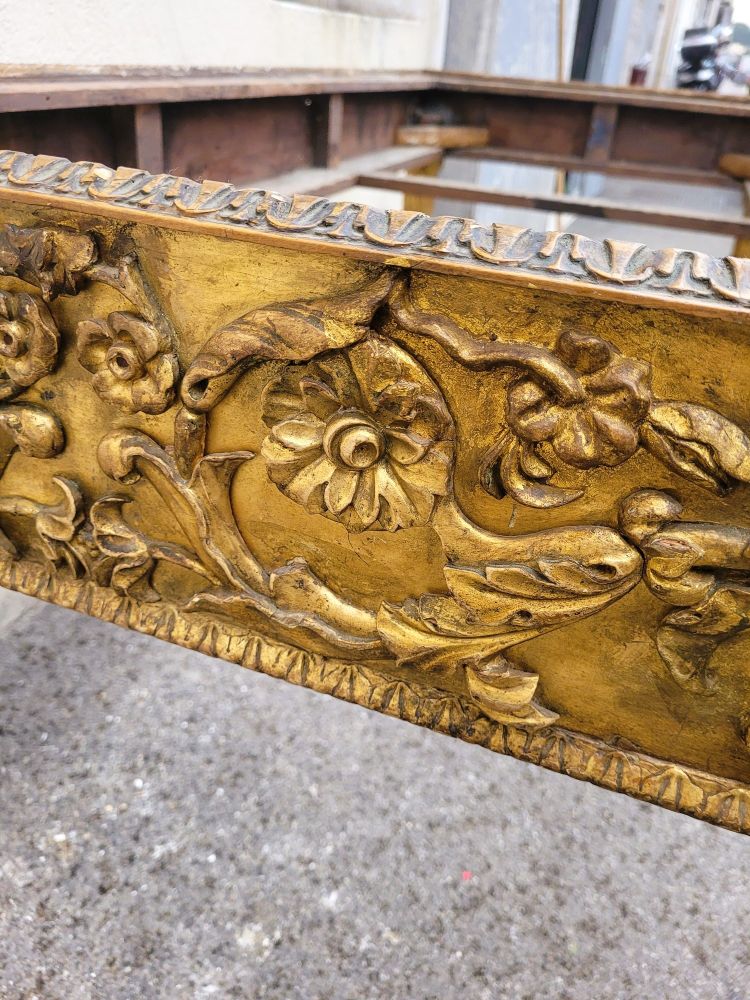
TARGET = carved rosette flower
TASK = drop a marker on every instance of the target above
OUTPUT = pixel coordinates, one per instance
(601, 428)
(29, 342)
(133, 363)
(363, 437)
(597, 422)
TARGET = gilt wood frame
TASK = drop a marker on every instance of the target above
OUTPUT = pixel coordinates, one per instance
(533, 442)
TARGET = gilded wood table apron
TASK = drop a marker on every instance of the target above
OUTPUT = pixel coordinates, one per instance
(487, 480)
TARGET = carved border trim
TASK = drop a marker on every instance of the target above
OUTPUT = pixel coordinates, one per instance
(683, 789)
(574, 263)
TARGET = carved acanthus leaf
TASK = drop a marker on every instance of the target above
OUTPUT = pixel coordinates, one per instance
(57, 526)
(701, 569)
(698, 443)
(53, 258)
(133, 554)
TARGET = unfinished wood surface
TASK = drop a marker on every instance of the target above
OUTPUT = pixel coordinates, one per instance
(328, 127)
(149, 137)
(265, 136)
(371, 120)
(444, 136)
(601, 133)
(596, 207)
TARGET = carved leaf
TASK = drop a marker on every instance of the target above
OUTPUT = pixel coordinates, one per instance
(688, 637)
(55, 259)
(525, 477)
(697, 443)
(523, 599)
(506, 695)
(417, 643)
(291, 331)
(57, 526)
(134, 554)
(114, 537)
(202, 506)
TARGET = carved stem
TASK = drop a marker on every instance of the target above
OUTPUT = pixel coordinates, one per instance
(178, 555)
(485, 354)
(126, 277)
(127, 454)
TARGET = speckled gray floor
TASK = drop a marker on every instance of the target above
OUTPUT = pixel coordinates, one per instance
(174, 827)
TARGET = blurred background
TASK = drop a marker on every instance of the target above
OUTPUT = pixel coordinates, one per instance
(698, 46)
(171, 826)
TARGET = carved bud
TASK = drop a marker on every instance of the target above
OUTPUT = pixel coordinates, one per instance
(133, 363)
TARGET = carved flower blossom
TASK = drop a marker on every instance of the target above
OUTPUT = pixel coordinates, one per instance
(133, 364)
(363, 437)
(29, 342)
(602, 428)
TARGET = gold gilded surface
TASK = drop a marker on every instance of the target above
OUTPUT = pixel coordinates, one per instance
(506, 500)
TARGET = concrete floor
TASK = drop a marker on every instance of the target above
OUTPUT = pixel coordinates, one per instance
(172, 826)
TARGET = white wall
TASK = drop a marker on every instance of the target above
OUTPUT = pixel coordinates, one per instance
(224, 33)
(507, 38)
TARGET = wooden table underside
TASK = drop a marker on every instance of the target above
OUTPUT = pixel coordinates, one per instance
(248, 127)
(321, 132)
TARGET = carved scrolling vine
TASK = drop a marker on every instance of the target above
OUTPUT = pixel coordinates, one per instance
(359, 432)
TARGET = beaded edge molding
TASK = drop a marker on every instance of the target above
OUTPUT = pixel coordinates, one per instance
(670, 273)
(684, 789)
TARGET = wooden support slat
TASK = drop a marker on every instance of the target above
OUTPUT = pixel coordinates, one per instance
(328, 127)
(32, 92)
(149, 137)
(444, 136)
(742, 245)
(597, 207)
(594, 93)
(601, 132)
(648, 171)
(28, 91)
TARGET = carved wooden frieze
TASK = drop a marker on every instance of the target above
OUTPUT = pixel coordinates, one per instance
(509, 510)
